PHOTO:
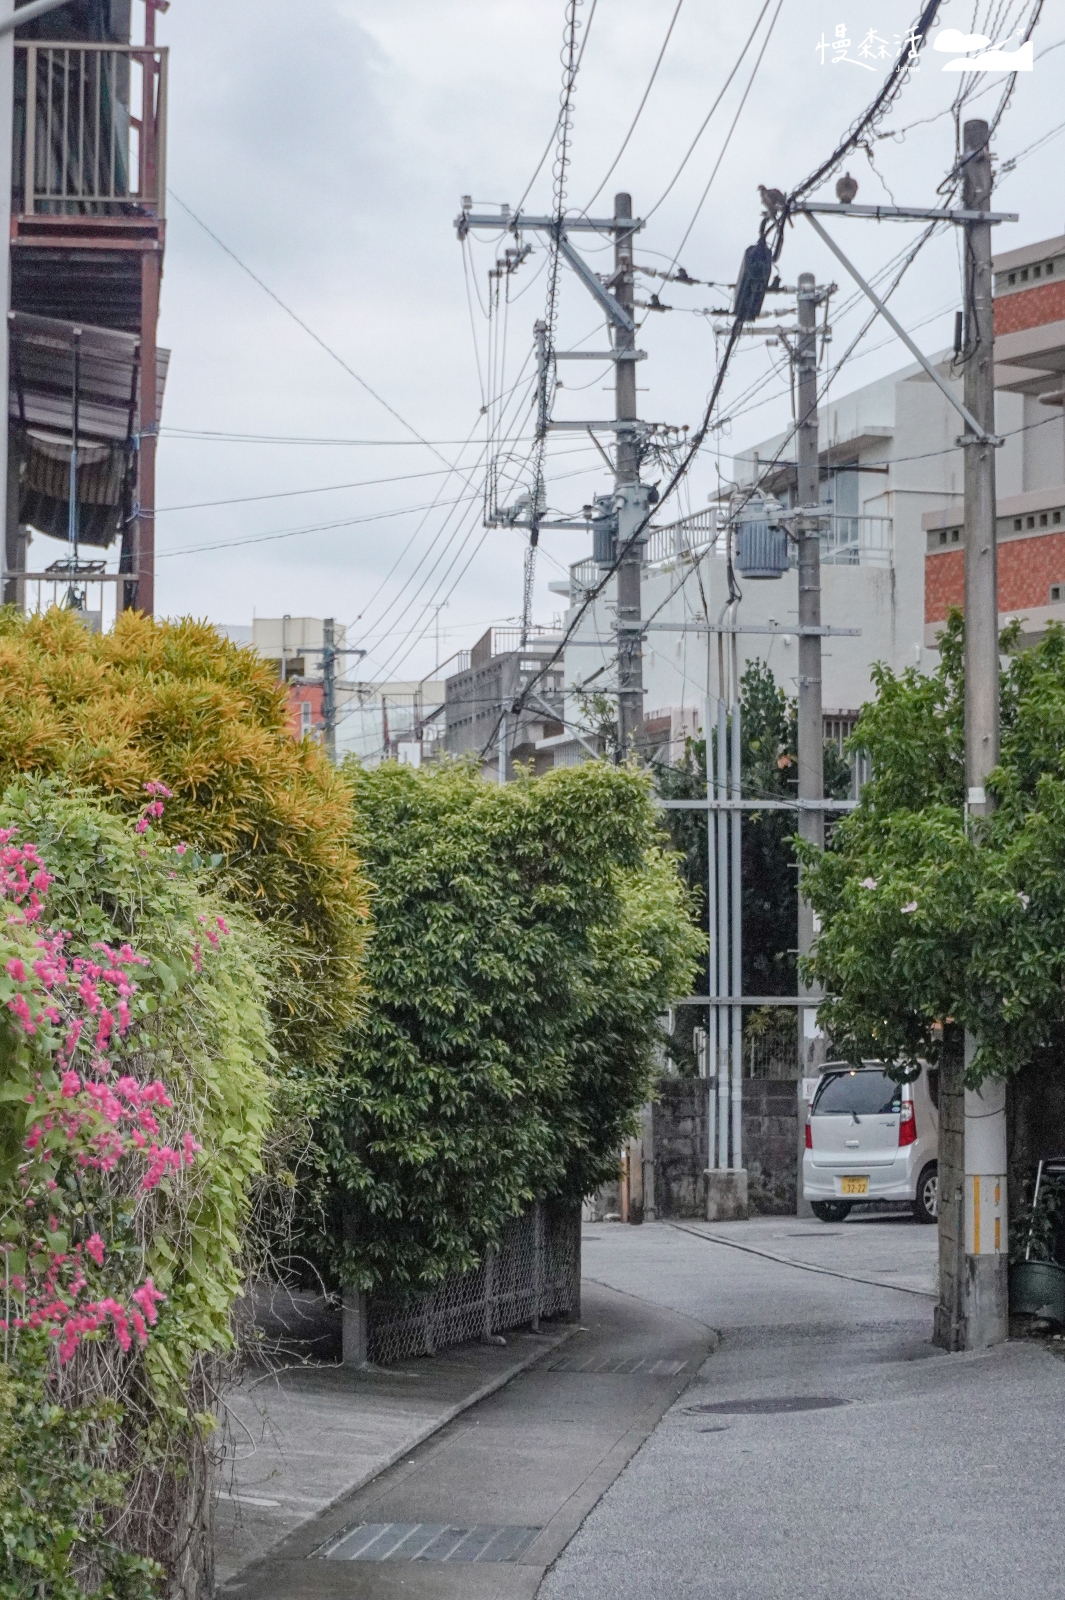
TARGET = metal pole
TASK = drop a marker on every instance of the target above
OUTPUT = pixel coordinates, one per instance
(737, 927)
(986, 1311)
(147, 432)
(723, 987)
(72, 502)
(712, 1065)
(630, 502)
(7, 124)
(329, 687)
(502, 752)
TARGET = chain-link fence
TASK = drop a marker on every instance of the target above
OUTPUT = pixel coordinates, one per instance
(534, 1272)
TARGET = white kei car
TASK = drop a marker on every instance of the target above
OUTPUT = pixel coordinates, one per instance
(870, 1138)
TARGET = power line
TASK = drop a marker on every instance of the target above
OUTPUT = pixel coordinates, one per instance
(296, 318)
(639, 109)
(227, 437)
(732, 130)
(554, 131)
(863, 127)
(721, 94)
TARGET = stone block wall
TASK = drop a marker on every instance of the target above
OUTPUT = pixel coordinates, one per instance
(770, 1117)
(770, 1136)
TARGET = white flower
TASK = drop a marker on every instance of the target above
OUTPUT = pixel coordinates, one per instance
(1024, 899)
(912, 906)
(868, 883)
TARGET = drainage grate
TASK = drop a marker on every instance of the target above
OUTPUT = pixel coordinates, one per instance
(626, 1366)
(430, 1541)
(765, 1408)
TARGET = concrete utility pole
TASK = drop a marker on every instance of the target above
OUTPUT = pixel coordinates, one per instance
(329, 687)
(630, 497)
(984, 1295)
(329, 653)
(811, 736)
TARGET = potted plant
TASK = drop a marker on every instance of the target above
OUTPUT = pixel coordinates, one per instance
(1037, 1281)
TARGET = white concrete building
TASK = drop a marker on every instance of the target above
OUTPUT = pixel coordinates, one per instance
(889, 459)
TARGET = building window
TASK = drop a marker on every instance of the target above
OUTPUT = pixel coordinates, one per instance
(1035, 272)
(1055, 594)
(1013, 277)
(1048, 269)
(955, 535)
(1043, 520)
(943, 537)
(1024, 275)
(1016, 524)
(305, 718)
(1031, 522)
(1057, 516)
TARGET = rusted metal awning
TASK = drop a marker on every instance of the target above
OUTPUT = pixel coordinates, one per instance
(42, 378)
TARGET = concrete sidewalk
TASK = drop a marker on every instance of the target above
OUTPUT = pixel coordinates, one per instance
(302, 1438)
(517, 1473)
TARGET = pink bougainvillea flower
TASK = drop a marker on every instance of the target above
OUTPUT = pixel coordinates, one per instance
(910, 906)
(148, 1298)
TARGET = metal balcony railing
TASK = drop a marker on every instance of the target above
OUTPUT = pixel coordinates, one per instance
(845, 542)
(856, 541)
(679, 538)
(90, 130)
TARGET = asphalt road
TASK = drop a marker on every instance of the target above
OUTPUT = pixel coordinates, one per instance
(937, 1476)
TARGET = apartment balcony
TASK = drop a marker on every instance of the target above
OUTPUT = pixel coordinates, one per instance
(88, 178)
(87, 239)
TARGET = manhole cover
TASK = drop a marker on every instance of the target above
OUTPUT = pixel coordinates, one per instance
(765, 1408)
(430, 1541)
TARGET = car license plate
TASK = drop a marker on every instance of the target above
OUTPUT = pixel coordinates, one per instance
(854, 1186)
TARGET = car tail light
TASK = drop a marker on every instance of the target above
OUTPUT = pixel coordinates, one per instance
(907, 1124)
(809, 1135)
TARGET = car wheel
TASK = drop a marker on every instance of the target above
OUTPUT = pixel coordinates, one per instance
(830, 1210)
(926, 1205)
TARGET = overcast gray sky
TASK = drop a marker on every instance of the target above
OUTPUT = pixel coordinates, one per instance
(327, 144)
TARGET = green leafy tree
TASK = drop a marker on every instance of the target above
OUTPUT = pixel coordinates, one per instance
(526, 939)
(175, 702)
(930, 919)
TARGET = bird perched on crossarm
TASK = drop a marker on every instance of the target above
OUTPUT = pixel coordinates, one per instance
(772, 199)
(846, 189)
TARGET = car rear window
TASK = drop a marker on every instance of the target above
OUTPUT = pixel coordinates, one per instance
(865, 1091)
